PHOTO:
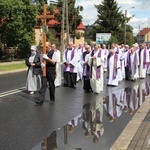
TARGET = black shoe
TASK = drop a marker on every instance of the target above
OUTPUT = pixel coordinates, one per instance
(65, 84)
(72, 86)
(133, 80)
(87, 91)
(39, 102)
(51, 102)
(95, 93)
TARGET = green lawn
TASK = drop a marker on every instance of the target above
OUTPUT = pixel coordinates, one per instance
(12, 67)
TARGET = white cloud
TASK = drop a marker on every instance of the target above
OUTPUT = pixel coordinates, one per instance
(144, 5)
(140, 12)
(127, 2)
(88, 3)
(89, 12)
(138, 24)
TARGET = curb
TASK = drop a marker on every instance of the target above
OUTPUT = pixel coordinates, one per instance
(132, 127)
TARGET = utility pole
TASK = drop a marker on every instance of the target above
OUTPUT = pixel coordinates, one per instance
(67, 22)
(139, 35)
(62, 27)
(125, 25)
(125, 32)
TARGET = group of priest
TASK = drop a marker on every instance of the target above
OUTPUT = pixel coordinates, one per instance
(96, 64)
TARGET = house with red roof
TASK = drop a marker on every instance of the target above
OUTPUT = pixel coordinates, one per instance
(144, 36)
(80, 30)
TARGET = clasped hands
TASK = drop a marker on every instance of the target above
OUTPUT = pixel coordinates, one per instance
(32, 64)
(42, 65)
(67, 63)
(45, 57)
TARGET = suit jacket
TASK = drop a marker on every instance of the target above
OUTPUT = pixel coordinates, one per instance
(37, 68)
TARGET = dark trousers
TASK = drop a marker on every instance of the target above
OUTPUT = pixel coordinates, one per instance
(127, 73)
(70, 79)
(42, 91)
(51, 80)
(86, 84)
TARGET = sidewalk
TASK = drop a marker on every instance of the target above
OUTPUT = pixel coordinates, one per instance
(136, 135)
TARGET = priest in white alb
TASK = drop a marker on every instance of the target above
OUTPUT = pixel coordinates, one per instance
(70, 60)
(143, 60)
(96, 63)
(113, 65)
(58, 79)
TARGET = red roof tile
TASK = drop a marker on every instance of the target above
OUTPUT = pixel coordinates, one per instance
(144, 31)
(52, 22)
(81, 26)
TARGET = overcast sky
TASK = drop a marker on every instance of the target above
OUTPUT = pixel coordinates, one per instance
(141, 12)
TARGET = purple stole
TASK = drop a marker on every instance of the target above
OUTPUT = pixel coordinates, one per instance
(88, 68)
(144, 62)
(98, 121)
(134, 62)
(128, 59)
(134, 99)
(72, 56)
(117, 50)
(98, 70)
(98, 116)
(128, 94)
(114, 66)
(114, 105)
(147, 89)
(143, 95)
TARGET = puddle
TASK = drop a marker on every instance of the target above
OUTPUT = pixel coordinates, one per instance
(100, 123)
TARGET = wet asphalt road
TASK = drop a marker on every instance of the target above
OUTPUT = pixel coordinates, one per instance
(25, 125)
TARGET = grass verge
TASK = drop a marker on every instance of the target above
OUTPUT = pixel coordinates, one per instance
(12, 67)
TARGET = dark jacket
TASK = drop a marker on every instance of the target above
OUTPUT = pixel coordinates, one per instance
(50, 67)
(37, 68)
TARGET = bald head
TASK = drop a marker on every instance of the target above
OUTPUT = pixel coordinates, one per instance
(70, 44)
(48, 46)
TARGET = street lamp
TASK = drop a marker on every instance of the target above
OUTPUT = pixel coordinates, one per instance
(125, 32)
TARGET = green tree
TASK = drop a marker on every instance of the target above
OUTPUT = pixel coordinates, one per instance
(73, 15)
(18, 29)
(110, 19)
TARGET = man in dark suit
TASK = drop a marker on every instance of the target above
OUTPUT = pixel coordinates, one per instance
(51, 59)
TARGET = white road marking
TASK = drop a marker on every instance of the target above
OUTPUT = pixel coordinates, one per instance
(12, 92)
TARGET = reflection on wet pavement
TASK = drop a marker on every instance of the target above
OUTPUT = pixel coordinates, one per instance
(86, 131)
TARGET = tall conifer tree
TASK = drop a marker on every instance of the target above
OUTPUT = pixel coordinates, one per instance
(109, 19)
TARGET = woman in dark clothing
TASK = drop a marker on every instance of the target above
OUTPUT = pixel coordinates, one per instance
(34, 71)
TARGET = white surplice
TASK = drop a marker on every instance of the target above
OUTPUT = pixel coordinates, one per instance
(134, 75)
(122, 62)
(110, 80)
(106, 53)
(96, 120)
(96, 83)
(79, 68)
(73, 61)
(58, 80)
(142, 70)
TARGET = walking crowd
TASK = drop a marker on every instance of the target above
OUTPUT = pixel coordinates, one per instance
(120, 62)
(93, 64)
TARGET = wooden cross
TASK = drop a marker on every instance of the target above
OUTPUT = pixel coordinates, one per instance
(43, 18)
